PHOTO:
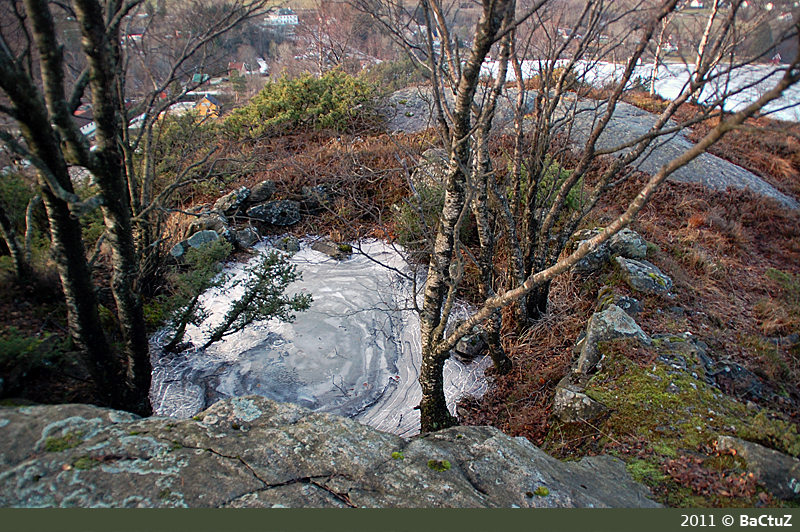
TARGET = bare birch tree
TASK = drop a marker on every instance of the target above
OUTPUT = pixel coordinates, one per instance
(534, 206)
(41, 90)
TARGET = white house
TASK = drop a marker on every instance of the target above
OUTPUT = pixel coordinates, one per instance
(284, 17)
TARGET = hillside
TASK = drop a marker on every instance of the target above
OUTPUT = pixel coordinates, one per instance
(733, 256)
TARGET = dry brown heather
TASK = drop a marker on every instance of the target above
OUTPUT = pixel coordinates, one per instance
(717, 246)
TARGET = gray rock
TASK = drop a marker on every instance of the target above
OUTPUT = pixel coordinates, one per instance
(202, 237)
(607, 297)
(247, 237)
(571, 405)
(780, 473)
(593, 261)
(178, 251)
(210, 221)
(471, 346)
(230, 203)
(280, 212)
(332, 249)
(315, 199)
(262, 192)
(627, 243)
(288, 244)
(644, 276)
(604, 326)
(628, 123)
(253, 452)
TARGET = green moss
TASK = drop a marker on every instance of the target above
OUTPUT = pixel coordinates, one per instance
(439, 465)
(345, 248)
(772, 432)
(643, 408)
(134, 433)
(164, 494)
(646, 472)
(541, 491)
(85, 462)
(68, 441)
(397, 455)
(665, 422)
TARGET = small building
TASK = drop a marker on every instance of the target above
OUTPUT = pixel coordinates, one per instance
(84, 118)
(283, 17)
(282, 21)
(208, 106)
(239, 68)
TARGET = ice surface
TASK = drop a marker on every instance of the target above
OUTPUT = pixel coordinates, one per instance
(355, 352)
(745, 84)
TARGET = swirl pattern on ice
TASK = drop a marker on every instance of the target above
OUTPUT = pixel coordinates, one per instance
(355, 352)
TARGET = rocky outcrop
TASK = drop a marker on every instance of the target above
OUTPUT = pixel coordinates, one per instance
(780, 473)
(230, 203)
(411, 110)
(571, 404)
(280, 212)
(253, 452)
(644, 276)
(626, 243)
(262, 192)
(603, 326)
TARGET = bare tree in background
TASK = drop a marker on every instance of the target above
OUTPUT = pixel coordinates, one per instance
(539, 204)
(42, 86)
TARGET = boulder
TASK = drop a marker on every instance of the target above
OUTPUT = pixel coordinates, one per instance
(208, 221)
(332, 249)
(626, 243)
(279, 212)
(262, 192)
(230, 203)
(288, 244)
(315, 199)
(202, 237)
(571, 405)
(604, 326)
(253, 452)
(780, 473)
(247, 237)
(178, 251)
(607, 297)
(644, 276)
(471, 346)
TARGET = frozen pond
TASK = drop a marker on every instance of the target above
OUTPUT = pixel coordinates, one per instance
(355, 352)
(745, 84)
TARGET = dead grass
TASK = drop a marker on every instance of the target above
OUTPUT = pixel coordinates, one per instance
(519, 403)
